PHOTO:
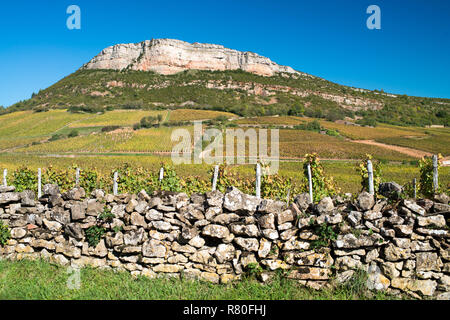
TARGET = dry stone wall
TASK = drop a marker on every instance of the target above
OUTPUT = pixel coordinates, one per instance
(402, 245)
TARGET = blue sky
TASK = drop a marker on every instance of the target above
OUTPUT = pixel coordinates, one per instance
(326, 38)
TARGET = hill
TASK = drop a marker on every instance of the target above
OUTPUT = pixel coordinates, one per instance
(170, 74)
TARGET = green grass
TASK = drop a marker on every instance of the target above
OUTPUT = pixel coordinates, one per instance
(31, 280)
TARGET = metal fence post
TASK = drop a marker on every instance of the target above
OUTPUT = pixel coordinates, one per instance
(216, 174)
(258, 180)
(435, 173)
(311, 199)
(39, 183)
(77, 177)
(115, 187)
(161, 174)
(370, 176)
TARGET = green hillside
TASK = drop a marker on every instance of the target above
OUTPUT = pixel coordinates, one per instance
(238, 92)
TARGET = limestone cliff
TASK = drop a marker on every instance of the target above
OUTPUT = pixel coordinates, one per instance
(167, 56)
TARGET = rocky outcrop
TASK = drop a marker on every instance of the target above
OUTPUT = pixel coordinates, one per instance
(403, 246)
(167, 56)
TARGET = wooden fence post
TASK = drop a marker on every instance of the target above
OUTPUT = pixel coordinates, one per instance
(311, 199)
(258, 180)
(370, 176)
(415, 187)
(115, 186)
(216, 174)
(5, 173)
(39, 183)
(435, 173)
(77, 177)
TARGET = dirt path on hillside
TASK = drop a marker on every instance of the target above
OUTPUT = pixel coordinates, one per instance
(408, 151)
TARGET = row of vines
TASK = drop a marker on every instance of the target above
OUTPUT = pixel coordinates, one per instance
(133, 179)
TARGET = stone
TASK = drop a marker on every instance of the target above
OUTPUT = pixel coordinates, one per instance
(100, 249)
(153, 215)
(354, 217)
(270, 234)
(372, 215)
(197, 242)
(248, 244)
(77, 212)
(345, 276)
(162, 225)
(316, 259)
(414, 207)
(50, 190)
(441, 208)
(393, 253)
(347, 262)
(4, 189)
(442, 198)
(216, 231)
(275, 264)
(182, 248)
(226, 218)
(201, 256)
(285, 217)
(264, 248)
(425, 287)
(9, 197)
(210, 277)
(365, 201)
(371, 255)
(118, 210)
(27, 198)
(75, 194)
(391, 190)
(403, 230)
(267, 221)
(52, 225)
(214, 198)
(170, 56)
(138, 220)
(250, 230)
(325, 205)
(376, 280)
(273, 207)
(302, 201)
(293, 244)
(154, 248)
(236, 201)
(224, 253)
(428, 261)
(389, 269)
(133, 238)
(168, 268)
(18, 233)
(437, 221)
(309, 273)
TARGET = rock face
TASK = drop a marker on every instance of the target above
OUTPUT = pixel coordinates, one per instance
(167, 56)
(402, 246)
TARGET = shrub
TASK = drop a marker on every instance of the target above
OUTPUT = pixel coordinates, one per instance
(5, 234)
(426, 186)
(73, 134)
(361, 168)
(94, 234)
(323, 185)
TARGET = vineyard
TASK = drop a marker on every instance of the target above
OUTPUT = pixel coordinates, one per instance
(134, 178)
